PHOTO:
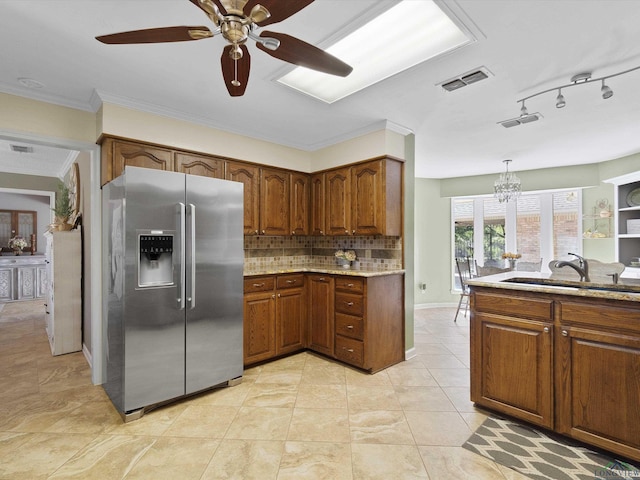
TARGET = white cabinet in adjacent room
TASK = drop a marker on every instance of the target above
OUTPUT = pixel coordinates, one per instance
(63, 295)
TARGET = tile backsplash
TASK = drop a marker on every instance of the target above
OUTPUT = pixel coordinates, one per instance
(383, 253)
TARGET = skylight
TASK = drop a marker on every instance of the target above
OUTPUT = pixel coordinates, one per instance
(407, 34)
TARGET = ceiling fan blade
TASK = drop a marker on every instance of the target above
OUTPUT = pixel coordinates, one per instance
(157, 35)
(301, 53)
(279, 9)
(235, 71)
(197, 3)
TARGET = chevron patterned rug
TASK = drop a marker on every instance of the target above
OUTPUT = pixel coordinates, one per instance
(543, 457)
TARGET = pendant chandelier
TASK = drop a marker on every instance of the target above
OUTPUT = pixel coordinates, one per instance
(507, 186)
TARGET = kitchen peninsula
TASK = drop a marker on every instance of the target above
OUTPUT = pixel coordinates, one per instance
(564, 355)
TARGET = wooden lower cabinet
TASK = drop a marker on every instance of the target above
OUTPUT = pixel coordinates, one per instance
(568, 364)
(598, 382)
(291, 314)
(321, 313)
(274, 316)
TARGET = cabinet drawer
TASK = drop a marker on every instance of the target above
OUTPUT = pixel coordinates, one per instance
(350, 284)
(349, 303)
(290, 281)
(532, 308)
(350, 326)
(349, 350)
(259, 284)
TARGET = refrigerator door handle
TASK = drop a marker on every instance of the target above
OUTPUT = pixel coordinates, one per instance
(181, 281)
(192, 297)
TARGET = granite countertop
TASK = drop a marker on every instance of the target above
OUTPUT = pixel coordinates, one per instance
(326, 269)
(561, 284)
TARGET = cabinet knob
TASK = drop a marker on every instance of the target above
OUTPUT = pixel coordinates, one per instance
(321, 232)
(291, 281)
(565, 333)
(350, 350)
(350, 285)
(273, 296)
(321, 279)
(293, 233)
(349, 304)
(350, 327)
(263, 232)
(545, 329)
(353, 231)
(279, 295)
(256, 232)
(346, 232)
(258, 285)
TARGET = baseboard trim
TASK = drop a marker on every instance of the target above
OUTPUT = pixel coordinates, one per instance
(409, 354)
(87, 355)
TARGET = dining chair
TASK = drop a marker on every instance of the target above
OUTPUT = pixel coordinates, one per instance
(463, 265)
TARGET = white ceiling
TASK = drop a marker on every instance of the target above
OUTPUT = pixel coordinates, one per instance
(528, 46)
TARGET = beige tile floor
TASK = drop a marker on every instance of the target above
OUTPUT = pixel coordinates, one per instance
(301, 417)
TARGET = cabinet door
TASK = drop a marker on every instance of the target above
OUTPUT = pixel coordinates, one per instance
(299, 205)
(599, 388)
(338, 198)
(259, 327)
(6, 284)
(199, 165)
(367, 187)
(139, 155)
(274, 202)
(41, 281)
(250, 177)
(318, 204)
(27, 283)
(290, 320)
(321, 312)
(512, 359)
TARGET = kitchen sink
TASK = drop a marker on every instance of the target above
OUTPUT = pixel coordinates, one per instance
(554, 282)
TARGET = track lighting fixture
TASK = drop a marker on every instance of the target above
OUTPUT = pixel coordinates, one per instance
(581, 78)
(560, 103)
(606, 91)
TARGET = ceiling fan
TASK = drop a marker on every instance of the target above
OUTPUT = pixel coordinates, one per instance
(237, 21)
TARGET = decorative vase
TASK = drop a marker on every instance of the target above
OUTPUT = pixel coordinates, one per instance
(343, 262)
(512, 263)
(17, 252)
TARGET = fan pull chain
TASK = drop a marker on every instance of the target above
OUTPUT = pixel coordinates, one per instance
(235, 81)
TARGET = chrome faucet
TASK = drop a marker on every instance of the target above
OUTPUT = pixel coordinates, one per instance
(582, 268)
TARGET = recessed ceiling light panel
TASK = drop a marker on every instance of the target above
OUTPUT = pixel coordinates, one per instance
(407, 34)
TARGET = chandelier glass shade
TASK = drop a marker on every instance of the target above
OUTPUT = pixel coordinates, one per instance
(507, 186)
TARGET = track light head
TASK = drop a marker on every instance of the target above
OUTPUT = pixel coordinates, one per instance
(560, 103)
(523, 111)
(606, 91)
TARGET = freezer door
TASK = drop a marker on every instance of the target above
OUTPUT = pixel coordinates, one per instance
(153, 322)
(214, 270)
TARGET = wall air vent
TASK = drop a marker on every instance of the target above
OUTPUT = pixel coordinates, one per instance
(21, 148)
(514, 122)
(465, 79)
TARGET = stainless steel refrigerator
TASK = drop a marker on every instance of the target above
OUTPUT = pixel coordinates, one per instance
(172, 288)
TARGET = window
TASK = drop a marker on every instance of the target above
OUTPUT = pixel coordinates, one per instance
(539, 226)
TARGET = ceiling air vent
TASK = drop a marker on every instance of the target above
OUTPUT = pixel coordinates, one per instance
(465, 79)
(21, 148)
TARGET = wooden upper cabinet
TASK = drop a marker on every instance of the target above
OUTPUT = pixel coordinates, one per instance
(317, 204)
(199, 165)
(274, 202)
(338, 201)
(299, 203)
(376, 188)
(117, 154)
(249, 175)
